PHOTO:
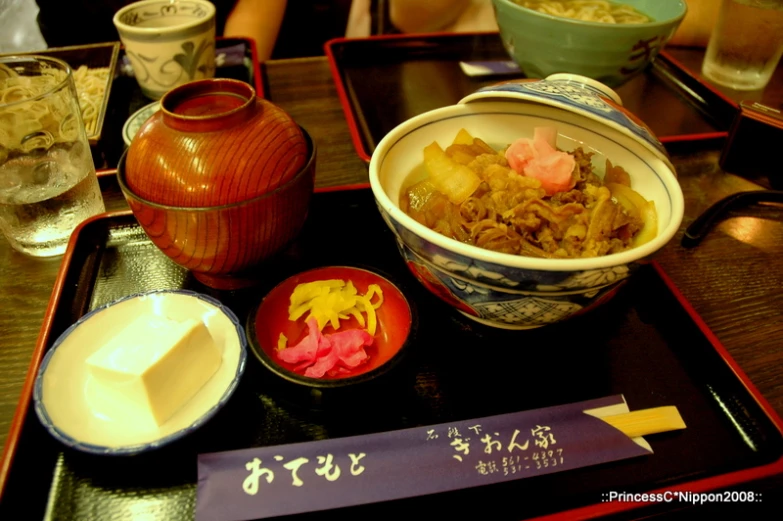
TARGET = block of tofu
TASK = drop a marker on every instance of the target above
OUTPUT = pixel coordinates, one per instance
(156, 364)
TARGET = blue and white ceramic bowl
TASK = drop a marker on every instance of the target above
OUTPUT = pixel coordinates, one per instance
(511, 291)
(136, 120)
(69, 402)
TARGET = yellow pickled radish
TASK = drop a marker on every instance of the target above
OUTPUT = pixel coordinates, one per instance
(330, 301)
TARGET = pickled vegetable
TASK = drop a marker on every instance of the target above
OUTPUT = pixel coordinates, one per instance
(330, 301)
(452, 179)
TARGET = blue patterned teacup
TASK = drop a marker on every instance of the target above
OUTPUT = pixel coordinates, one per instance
(168, 42)
(514, 291)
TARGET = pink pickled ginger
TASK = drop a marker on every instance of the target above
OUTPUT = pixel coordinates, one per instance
(307, 349)
(538, 158)
(319, 354)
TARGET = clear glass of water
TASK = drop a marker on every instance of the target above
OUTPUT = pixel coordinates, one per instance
(746, 44)
(48, 184)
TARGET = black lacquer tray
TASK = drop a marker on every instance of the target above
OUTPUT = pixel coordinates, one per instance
(235, 58)
(385, 80)
(646, 343)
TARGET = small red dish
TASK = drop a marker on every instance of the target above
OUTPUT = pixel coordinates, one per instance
(395, 322)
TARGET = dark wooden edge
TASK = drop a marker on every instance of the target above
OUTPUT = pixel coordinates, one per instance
(341, 188)
(587, 512)
(9, 450)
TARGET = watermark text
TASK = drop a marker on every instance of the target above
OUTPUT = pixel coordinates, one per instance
(694, 498)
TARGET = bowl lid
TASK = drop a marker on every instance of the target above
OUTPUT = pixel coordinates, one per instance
(214, 142)
(581, 95)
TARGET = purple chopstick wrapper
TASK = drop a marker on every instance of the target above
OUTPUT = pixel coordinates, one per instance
(319, 475)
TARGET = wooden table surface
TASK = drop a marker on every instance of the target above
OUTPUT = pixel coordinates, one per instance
(734, 279)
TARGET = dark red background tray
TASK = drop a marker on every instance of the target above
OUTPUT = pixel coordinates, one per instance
(385, 80)
(646, 343)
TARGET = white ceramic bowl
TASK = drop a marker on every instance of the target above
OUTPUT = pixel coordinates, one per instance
(511, 291)
(168, 42)
(67, 399)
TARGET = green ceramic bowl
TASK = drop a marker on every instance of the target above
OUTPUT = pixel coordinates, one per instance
(542, 44)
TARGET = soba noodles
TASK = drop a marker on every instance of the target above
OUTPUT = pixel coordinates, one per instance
(17, 122)
(588, 10)
(91, 87)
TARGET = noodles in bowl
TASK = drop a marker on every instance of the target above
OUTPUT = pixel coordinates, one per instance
(588, 10)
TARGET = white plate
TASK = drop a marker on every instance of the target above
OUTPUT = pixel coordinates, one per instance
(137, 119)
(71, 410)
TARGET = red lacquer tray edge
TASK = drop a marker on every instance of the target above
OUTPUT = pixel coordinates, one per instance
(704, 485)
(684, 70)
(259, 80)
(351, 116)
(9, 450)
(587, 512)
(705, 136)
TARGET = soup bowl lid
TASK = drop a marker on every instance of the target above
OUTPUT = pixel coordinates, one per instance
(214, 142)
(578, 94)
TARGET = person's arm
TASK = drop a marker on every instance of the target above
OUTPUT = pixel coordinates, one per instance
(259, 20)
(417, 16)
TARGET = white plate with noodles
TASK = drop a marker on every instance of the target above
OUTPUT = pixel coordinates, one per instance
(93, 69)
(137, 119)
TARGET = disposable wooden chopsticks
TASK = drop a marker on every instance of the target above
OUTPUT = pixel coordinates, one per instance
(646, 421)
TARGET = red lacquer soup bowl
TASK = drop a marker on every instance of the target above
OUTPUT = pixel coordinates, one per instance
(395, 322)
(220, 180)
